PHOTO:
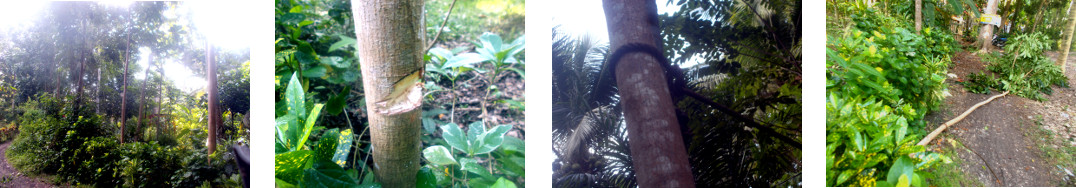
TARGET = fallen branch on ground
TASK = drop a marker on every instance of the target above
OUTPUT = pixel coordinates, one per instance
(957, 119)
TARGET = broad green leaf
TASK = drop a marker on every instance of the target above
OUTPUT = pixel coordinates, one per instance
(343, 147)
(464, 60)
(513, 145)
(290, 166)
(292, 18)
(310, 119)
(327, 145)
(439, 155)
(286, 133)
(327, 174)
(283, 184)
(425, 179)
(455, 137)
(503, 183)
(491, 139)
(335, 61)
(315, 72)
(337, 102)
(295, 96)
(471, 165)
(344, 42)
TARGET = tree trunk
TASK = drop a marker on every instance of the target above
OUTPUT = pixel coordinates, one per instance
(123, 96)
(657, 148)
(391, 36)
(142, 95)
(987, 30)
(1038, 16)
(1065, 46)
(918, 15)
(97, 94)
(211, 92)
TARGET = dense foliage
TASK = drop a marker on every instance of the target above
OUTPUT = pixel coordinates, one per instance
(471, 76)
(882, 79)
(1023, 69)
(81, 149)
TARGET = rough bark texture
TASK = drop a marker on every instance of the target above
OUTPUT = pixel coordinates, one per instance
(211, 92)
(987, 31)
(1065, 46)
(918, 15)
(391, 36)
(657, 148)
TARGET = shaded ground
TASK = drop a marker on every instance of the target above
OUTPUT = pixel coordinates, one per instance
(1003, 139)
(9, 177)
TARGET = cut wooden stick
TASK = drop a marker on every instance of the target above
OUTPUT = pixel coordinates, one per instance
(957, 119)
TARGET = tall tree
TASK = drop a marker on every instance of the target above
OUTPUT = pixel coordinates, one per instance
(918, 15)
(1038, 16)
(123, 96)
(987, 30)
(391, 34)
(1067, 44)
(657, 148)
(212, 99)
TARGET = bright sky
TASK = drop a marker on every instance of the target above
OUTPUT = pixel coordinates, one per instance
(15, 13)
(180, 74)
(589, 17)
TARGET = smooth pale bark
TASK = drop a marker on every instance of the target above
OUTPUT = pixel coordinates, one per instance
(1065, 46)
(657, 148)
(918, 15)
(1038, 16)
(211, 92)
(987, 31)
(391, 35)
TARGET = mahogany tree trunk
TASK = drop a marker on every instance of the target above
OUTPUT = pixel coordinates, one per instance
(657, 148)
(211, 92)
(391, 35)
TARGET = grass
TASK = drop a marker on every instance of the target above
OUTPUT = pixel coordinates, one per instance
(1059, 153)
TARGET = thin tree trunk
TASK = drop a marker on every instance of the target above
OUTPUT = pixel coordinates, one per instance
(392, 34)
(657, 148)
(142, 95)
(211, 90)
(918, 15)
(1038, 16)
(987, 30)
(123, 96)
(97, 94)
(1065, 46)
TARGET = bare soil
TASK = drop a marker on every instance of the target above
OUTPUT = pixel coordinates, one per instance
(999, 142)
(10, 177)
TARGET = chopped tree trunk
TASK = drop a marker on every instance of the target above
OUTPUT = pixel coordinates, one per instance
(657, 148)
(942, 128)
(391, 42)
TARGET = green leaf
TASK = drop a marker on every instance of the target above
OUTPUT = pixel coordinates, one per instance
(294, 97)
(455, 137)
(310, 119)
(344, 42)
(471, 165)
(327, 145)
(491, 139)
(327, 174)
(315, 72)
(439, 155)
(290, 166)
(425, 178)
(335, 61)
(503, 183)
(464, 60)
(343, 147)
(337, 102)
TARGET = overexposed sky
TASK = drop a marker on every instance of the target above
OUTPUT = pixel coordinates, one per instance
(588, 17)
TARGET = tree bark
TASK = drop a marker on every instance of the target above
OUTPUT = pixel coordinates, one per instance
(142, 95)
(392, 35)
(1065, 46)
(123, 96)
(657, 148)
(1038, 16)
(987, 30)
(918, 15)
(211, 92)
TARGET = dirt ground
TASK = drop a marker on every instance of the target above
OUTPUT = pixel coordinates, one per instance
(1000, 137)
(9, 177)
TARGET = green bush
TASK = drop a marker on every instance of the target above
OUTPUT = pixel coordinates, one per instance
(882, 79)
(1023, 69)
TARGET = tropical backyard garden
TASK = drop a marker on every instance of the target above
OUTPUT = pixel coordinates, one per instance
(950, 93)
(136, 94)
(454, 118)
(737, 103)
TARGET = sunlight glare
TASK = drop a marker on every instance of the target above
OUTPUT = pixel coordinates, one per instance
(224, 23)
(15, 13)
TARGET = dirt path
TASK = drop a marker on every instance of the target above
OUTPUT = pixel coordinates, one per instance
(1003, 133)
(9, 177)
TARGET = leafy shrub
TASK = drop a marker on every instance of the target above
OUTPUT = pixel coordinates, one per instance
(477, 140)
(1022, 70)
(881, 80)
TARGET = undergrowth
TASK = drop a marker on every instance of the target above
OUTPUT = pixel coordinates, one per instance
(1023, 69)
